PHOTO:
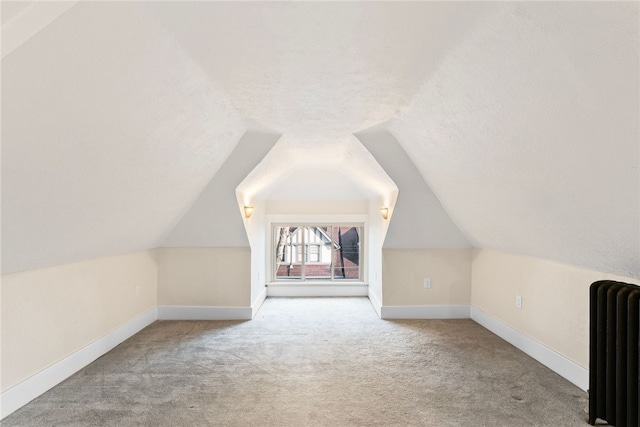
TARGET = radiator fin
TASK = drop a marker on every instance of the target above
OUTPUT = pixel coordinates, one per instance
(613, 353)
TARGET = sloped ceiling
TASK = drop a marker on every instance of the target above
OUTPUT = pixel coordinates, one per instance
(418, 219)
(522, 118)
(109, 134)
(21, 20)
(528, 133)
(317, 68)
(321, 168)
(214, 219)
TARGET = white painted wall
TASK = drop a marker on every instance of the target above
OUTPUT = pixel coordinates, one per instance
(257, 231)
(404, 270)
(555, 299)
(204, 276)
(419, 220)
(312, 207)
(375, 238)
(213, 220)
(50, 313)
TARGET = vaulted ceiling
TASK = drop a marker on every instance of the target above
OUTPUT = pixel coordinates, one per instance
(521, 118)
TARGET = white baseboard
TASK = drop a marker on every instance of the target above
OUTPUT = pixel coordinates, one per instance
(187, 312)
(552, 360)
(285, 290)
(257, 303)
(24, 392)
(377, 305)
(425, 312)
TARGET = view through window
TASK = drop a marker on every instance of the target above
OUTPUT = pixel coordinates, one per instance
(317, 252)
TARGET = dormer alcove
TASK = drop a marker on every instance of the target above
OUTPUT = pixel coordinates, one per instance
(314, 190)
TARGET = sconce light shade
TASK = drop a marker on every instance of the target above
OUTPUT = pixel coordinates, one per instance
(248, 211)
(384, 212)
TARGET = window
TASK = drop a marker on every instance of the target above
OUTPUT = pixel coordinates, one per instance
(316, 252)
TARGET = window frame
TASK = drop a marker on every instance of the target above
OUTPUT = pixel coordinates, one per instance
(303, 279)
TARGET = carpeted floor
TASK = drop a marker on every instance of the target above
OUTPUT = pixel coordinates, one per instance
(311, 362)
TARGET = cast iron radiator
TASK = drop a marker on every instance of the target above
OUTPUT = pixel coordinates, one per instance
(613, 353)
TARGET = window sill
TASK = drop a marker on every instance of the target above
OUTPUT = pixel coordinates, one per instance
(319, 289)
(294, 282)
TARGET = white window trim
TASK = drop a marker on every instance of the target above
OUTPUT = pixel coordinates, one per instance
(301, 253)
(311, 221)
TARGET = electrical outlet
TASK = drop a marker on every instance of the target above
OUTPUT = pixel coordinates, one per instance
(519, 302)
(427, 282)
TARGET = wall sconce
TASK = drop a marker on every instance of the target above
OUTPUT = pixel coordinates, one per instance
(384, 212)
(248, 211)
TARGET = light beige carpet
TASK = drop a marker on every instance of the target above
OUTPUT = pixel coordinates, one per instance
(311, 362)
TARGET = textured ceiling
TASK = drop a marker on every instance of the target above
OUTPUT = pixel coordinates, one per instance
(528, 133)
(418, 219)
(107, 137)
(317, 68)
(521, 117)
(214, 218)
(12, 9)
(319, 168)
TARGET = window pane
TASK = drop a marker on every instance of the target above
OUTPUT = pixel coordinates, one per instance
(288, 252)
(316, 253)
(346, 253)
(318, 264)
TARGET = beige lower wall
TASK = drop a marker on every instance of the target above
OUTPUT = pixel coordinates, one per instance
(204, 276)
(50, 313)
(404, 270)
(555, 298)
